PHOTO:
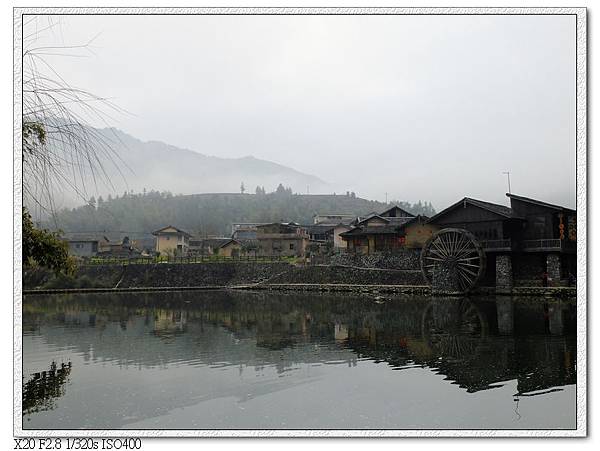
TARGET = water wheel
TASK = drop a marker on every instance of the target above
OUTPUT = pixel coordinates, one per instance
(452, 260)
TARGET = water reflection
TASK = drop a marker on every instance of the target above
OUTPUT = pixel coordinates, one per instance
(475, 344)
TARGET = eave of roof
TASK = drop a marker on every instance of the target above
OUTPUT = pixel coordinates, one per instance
(381, 230)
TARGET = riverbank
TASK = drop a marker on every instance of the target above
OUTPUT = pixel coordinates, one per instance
(280, 276)
(553, 292)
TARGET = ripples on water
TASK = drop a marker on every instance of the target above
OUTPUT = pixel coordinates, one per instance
(264, 360)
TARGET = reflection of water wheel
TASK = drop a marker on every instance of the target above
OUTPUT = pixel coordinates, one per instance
(457, 249)
(453, 327)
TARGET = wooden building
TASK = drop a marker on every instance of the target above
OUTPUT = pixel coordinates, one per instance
(522, 242)
(492, 224)
(391, 231)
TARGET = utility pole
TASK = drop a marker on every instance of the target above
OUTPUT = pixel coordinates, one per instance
(508, 176)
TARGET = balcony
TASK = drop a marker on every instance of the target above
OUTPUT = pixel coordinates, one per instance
(548, 245)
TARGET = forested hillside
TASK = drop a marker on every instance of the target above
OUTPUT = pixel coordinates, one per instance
(211, 214)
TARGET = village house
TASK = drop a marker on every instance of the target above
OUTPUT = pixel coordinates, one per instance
(282, 239)
(83, 244)
(206, 246)
(172, 241)
(245, 230)
(231, 248)
(391, 231)
(326, 229)
(83, 247)
(123, 248)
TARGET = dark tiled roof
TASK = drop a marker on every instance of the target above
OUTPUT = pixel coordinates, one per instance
(403, 212)
(495, 208)
(212, 242)
(537, 202)
(501, 210)
(156, 232)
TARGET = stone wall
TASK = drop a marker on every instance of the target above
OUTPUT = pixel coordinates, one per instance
(348, 275)
(504, 272)
(200, 274)
(217, 274)
(409, 259)
(158, 275)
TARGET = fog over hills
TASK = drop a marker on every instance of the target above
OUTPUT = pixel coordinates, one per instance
(153, 165)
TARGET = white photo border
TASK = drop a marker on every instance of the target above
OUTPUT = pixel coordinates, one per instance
(582, 289)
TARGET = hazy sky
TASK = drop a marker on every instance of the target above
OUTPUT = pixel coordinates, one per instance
(420, 107)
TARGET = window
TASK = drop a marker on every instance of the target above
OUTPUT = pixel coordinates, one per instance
(168, 238)
(291, 246)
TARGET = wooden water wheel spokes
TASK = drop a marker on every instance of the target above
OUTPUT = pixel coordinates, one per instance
(457, 249)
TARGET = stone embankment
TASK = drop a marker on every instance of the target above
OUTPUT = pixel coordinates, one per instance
(242, 275)
(218, 274)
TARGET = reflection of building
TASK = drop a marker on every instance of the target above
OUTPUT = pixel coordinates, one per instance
(477, 344)
(168, 323)
(340, 332)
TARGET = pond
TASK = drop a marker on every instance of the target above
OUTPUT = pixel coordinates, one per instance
(265, 360)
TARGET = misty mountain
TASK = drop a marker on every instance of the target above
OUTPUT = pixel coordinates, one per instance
(134, 165)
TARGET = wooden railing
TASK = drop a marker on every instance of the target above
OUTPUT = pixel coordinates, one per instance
(495, 245)
(548, 244)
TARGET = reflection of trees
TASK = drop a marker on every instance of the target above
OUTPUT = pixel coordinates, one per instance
(40, 392)
(476, 343)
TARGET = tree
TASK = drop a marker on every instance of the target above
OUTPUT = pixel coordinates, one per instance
(44, 248)
(60, 148)
(242, 188)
